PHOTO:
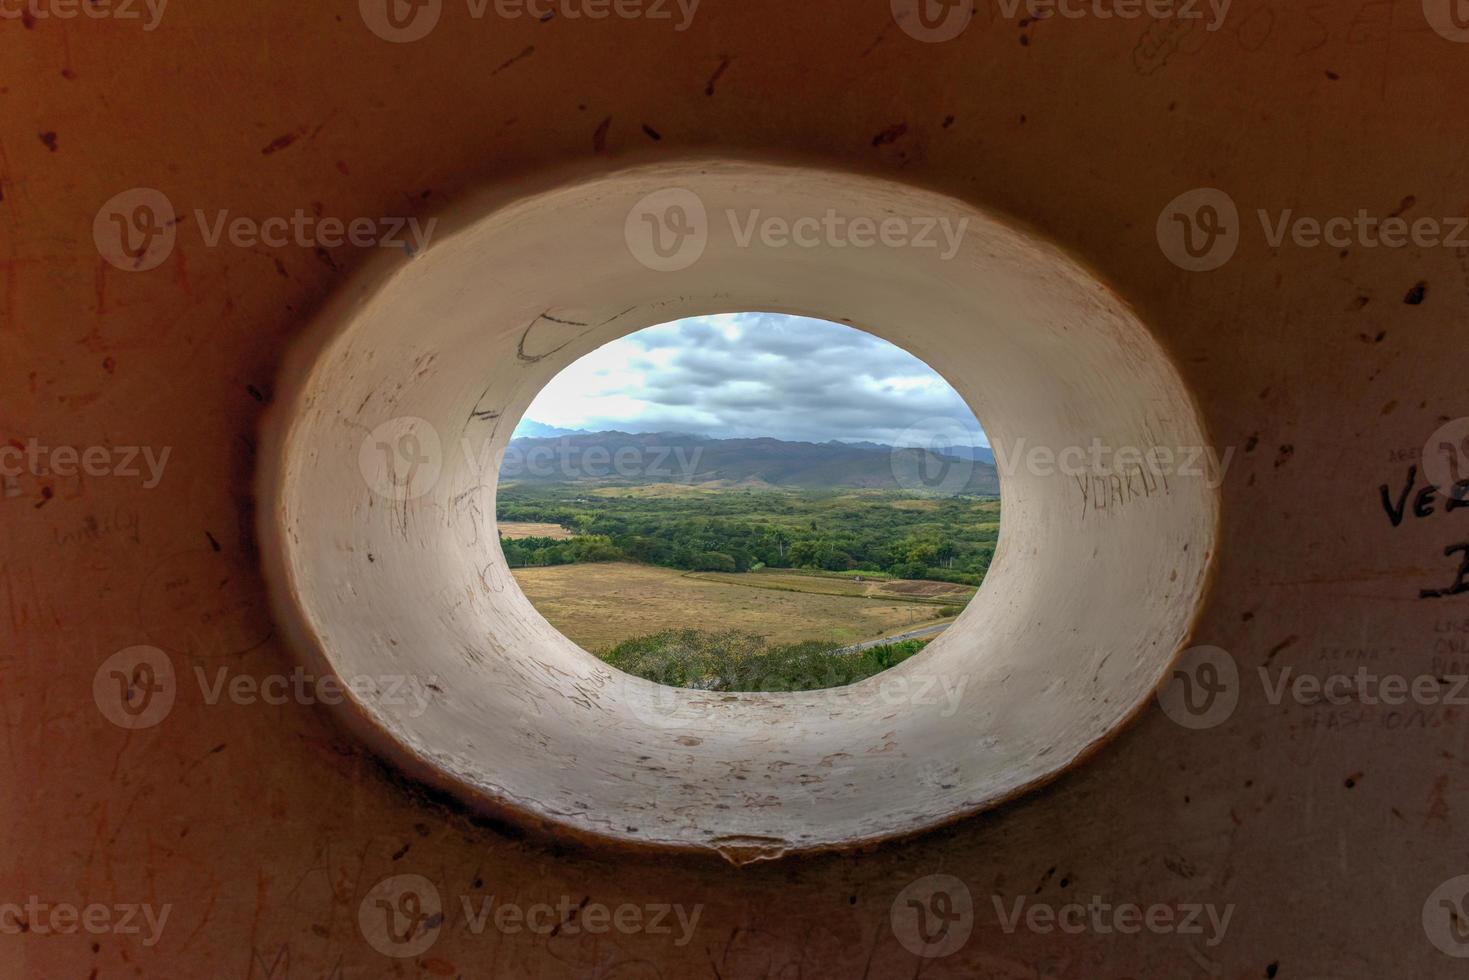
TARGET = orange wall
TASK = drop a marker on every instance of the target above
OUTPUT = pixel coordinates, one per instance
(264, 827)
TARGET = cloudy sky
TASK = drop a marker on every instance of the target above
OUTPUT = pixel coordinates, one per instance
(757, 374)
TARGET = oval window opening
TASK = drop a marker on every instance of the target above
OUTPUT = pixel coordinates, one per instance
(749, 502)
(378, 496)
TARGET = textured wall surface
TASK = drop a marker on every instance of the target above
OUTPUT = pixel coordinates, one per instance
(1329, 832)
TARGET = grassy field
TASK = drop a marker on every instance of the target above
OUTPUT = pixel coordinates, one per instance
(870, 586)
(599, 605)
(532, 529)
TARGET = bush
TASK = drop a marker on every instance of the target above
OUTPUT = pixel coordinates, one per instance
(713, 561)
(733, 661)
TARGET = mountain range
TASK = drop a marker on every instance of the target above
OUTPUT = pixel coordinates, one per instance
(554, 455)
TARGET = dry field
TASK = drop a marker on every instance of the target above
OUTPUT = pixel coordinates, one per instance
(786, 580)
(600, 605)
(526, 529)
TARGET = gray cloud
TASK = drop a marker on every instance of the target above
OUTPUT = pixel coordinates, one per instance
(783, 376)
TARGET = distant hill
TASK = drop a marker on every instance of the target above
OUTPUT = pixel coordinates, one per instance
(982, 453)
(531, 429)
(636, 458)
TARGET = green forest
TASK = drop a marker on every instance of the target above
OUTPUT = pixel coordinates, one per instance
(949, 539)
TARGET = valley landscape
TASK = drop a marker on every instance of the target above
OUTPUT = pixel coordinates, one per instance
(805, 563)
